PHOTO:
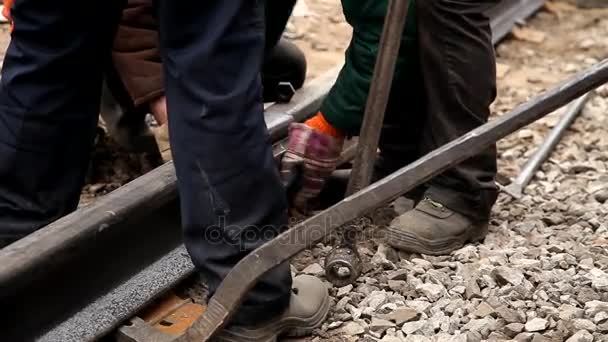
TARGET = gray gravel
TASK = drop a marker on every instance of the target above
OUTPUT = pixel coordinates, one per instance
(542, 272)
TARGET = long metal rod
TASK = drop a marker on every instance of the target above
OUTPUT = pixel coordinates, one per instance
(344, 255)
(544, 150)
(245, 274)
(379, 92)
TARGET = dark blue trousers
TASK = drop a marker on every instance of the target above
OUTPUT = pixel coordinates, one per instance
(230, 193)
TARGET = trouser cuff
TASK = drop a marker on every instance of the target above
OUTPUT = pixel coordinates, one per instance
(248, 315)
(476, 206)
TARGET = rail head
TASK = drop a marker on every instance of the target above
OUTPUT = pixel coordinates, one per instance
(28, 259)
(41, 251)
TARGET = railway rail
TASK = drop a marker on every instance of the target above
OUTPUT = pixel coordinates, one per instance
(89, 271)
(81, 277)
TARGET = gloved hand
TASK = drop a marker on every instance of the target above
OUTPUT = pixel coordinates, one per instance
(314, 148)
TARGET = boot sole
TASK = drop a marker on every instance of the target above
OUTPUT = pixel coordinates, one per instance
(409, 242)
(287, 326)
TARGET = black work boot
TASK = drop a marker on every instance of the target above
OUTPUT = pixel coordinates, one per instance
(432, 228)
(283, 72)
(308, 308)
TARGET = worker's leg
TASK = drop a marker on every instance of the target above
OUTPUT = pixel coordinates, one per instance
(458, 67)
(283, 60)
(49, 102)
(277, 15)
(402, 129)
(135, 83)
(404, 117)
(231, 197)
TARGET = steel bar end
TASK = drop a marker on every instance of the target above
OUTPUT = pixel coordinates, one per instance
(514, 190)
(342, 266)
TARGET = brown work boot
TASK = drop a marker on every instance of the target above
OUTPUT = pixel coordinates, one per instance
(161, 134)
(431, 228)
(308, 308)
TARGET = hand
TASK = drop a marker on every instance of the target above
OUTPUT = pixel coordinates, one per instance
(158, 107)
(316, 154)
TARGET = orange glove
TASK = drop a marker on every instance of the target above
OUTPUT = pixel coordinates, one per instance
(6, 11)
(320, 124)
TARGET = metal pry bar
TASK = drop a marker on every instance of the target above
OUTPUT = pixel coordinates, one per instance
(343, 264)
(245, 274)
(379, 92)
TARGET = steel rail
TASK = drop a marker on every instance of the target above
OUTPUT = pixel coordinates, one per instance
(507, 13)
(80, 277)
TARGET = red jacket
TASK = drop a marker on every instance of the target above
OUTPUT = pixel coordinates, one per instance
(136, 54)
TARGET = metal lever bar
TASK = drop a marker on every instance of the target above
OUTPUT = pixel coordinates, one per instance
(246, 273)
(342, 264)
(377, 98)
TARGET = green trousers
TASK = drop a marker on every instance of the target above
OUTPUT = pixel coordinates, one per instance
(345, 103)
(444, 83)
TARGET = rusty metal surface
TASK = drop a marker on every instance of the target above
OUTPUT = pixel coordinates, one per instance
(139, 331)
(178, 321)
(225, 301)
(89, 296)
(171, 316)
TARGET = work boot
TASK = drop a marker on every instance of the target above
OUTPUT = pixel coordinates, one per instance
(283, 71)
(432, 228)
(308, 308)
